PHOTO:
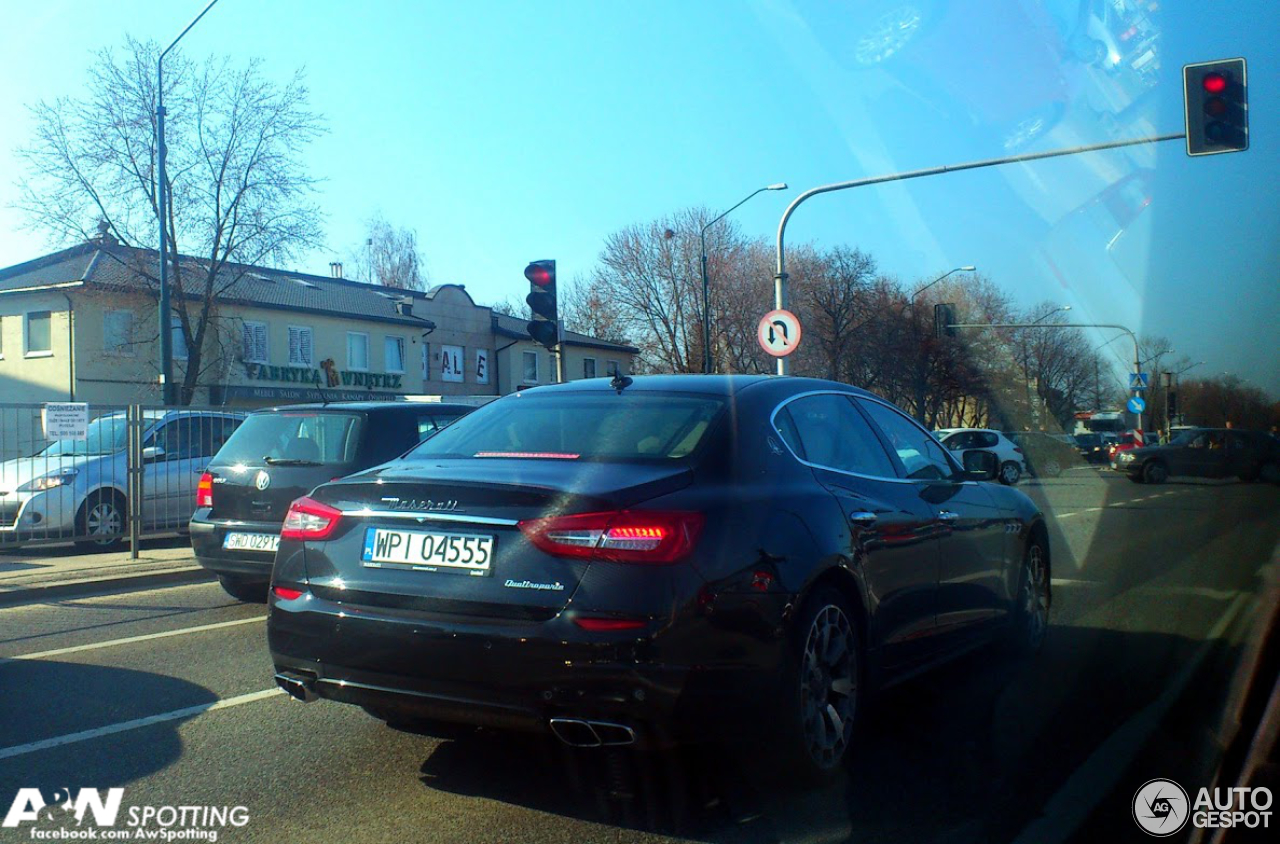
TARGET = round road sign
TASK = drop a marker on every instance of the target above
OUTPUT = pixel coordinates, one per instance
(779, 333)
(1137, 405)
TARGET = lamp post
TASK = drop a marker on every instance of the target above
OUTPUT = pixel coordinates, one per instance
(1039, 320)
(966, 269)
(166, 329)
(706, 285)
(922, 369)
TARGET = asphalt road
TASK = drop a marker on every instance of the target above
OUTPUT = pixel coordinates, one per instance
(168, 694)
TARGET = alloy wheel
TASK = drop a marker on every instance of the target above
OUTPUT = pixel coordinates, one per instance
(1035, 598)
(829, 686)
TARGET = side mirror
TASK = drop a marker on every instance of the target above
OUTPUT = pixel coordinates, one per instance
(981, 465)
(152, 454)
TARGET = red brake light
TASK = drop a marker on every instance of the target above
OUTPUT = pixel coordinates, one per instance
(308, 519)
(608, 625)
(1214, 83)
(625, 536)
(204, 491)
(287, 594)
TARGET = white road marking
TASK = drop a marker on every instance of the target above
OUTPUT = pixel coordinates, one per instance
(125, 726)
(128, 640)
(1098, 776)
(1066, 581)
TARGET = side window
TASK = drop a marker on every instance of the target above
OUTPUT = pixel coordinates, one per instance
(215, 431)
(786, 428)
(836, 436)
(921, 456)
(988, 439)
(180, 438)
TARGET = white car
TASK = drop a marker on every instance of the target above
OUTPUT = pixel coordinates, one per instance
(78, 489)
(1012, 463)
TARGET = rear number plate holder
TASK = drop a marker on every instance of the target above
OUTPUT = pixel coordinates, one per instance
(428, 550)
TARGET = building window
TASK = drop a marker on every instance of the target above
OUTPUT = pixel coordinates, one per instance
(39, 339)
(393, 354)
(588, 367)
(255, 342)
(358, 351)
(177, 338)
(531, 367)
(301, 346)
(451, 364)
(611, 368)
(117, 332)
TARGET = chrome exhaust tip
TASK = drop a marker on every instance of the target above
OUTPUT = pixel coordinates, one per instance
(577, 732)
(296, 687)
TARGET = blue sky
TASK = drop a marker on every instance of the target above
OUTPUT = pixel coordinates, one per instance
(504, 132)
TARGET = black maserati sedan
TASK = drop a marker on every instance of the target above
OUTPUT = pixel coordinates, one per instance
(654, 560)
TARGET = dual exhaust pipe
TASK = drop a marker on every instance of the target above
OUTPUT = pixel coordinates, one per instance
(577, 732)
(297, 686)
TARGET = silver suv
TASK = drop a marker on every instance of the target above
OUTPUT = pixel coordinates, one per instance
(78, 489)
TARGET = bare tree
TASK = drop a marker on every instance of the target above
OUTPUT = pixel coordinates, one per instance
(237, 192)
(390, 256)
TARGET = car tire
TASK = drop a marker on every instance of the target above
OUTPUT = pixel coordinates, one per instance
(1137, 479)
(821, 689)
(244, 589)
(1052, 469)
(1270, 472)
(1029, 621)
(103, 512)
(1155, 472)
(1010, 473)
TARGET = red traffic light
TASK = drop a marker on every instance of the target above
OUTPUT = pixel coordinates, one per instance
(541, 273)
(1214, 83)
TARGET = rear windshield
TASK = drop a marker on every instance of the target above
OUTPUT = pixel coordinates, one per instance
(303, 437)
(578, 426)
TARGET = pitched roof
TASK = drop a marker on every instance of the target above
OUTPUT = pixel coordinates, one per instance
(113, 266)
(514, 327)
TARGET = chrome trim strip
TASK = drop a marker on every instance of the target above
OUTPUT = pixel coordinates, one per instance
(417, 516)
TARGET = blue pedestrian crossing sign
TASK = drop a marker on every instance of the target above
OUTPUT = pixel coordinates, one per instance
(1137, 405)
(1138, 380)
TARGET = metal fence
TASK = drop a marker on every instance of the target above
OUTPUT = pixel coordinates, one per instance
(132, 473)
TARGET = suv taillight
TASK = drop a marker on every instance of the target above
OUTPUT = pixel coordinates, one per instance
(204, 491)
(308, 519)
(624, 536)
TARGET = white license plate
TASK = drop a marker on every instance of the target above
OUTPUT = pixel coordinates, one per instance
(251, 542)
(421, 550)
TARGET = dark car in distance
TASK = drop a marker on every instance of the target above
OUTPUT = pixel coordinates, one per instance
(1046, 455)
(1205, 453)
(282, 453)
(656, 559)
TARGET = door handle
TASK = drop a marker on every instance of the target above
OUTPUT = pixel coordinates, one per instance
(947, 516)
(862, 518)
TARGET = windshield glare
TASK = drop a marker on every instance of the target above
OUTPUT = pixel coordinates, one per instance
(579, 426)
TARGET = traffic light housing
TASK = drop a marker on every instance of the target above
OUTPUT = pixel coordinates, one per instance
(944, 318)
(1217, 106)
(1171, 405)
(543, 303)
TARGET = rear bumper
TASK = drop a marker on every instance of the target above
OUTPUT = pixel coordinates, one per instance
(501, 674)
(207, 536)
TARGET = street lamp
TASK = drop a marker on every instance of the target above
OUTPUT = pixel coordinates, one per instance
(1185, 368)
(968, 269)
(1051, 313)
(706, 286)
(166, 329)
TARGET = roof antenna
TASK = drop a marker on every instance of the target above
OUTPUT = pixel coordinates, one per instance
(620, 382)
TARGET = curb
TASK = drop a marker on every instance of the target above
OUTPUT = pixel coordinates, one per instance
(104, 585)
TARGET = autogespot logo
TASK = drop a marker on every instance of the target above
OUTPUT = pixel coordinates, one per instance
(1161, 807)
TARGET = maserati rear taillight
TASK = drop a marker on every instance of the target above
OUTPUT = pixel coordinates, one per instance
(309, 519)
(204, 491)
(623, 536)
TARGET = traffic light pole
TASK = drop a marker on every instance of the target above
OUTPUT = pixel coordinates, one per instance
(780, 276)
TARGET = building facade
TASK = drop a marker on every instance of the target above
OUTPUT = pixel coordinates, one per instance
(81, 325)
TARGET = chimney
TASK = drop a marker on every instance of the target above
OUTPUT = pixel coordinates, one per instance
(104, 234)
(404, 307)
(335, 269)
